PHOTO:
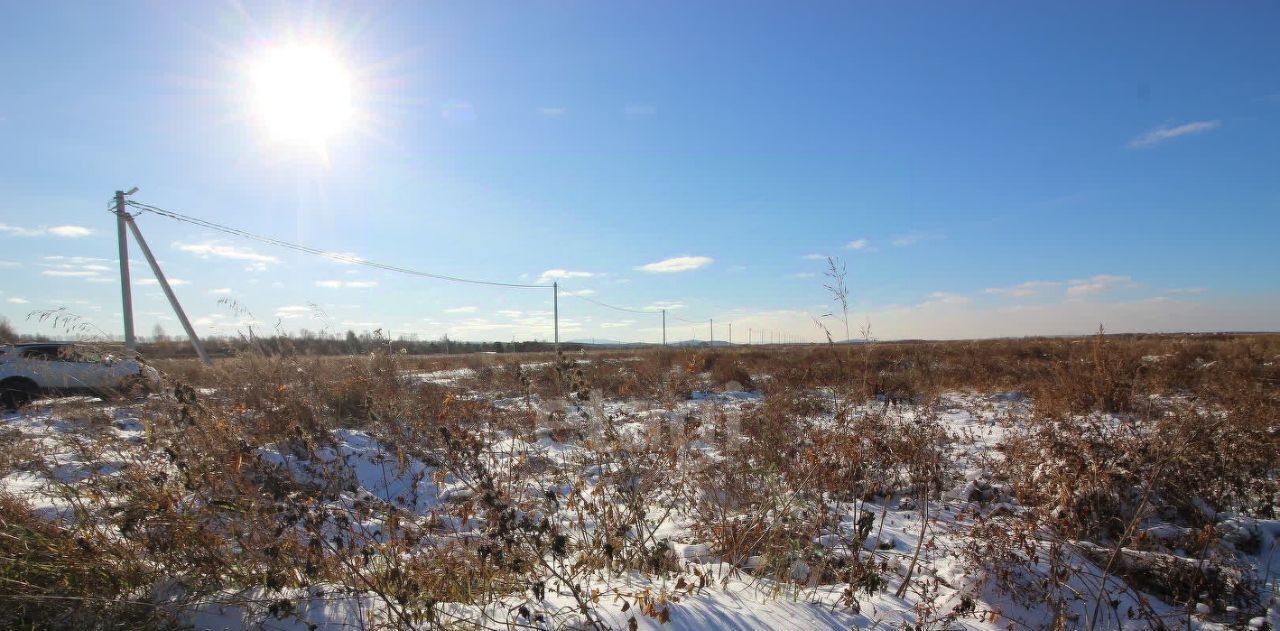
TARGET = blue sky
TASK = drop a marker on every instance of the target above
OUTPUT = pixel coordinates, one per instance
(983, 169)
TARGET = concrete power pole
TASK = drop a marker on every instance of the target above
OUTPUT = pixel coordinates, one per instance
(555, 311)
(126, 293)
(168, 291)
(711, 328)
(664, 327)
(731, 333)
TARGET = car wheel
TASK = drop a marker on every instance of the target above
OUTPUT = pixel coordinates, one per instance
(15, 393)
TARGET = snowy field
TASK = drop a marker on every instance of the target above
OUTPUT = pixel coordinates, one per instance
(722, 508)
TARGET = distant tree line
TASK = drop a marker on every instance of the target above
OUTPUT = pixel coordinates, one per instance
(306, 342)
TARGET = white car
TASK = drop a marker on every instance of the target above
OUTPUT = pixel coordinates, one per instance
(30, 370)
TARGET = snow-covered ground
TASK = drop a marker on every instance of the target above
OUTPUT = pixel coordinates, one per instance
(559, 459)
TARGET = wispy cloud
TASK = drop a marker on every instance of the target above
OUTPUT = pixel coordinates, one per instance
(1161, 134)
(814, 257)
(86, 267)
(668, 305)
(561, 274)
(172, 281)
(346, 284)
(552, 112)
(946, 298)
(69, 272)
(461, 310)
(856, 244)
(18, 301)
(676, 264)
(220, 290)
(621, 324)
(209, 249)
(70, 232)
(1185, 290)
(914, 238)
(579, 292)
(1101, 283)
(64, 231)
(1022, 290)
(804, 274)
(290, 312)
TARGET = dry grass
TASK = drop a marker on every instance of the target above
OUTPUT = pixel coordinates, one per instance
(1191, 434)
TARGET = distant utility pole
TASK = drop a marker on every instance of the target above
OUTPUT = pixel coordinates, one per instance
(555, 310)
(711, 326)
(664, 327)
(730, 333)
(126, 293)
(748, 336)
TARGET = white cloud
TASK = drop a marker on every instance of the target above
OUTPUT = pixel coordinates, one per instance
(1185, 290)
(220, 290)
(64, 231)
(617, 325)
(815, 257)
(561, 274)
(1101, 283)
(946, 298)
(214, 249)
(290, 312)
(552, 112)
(668, 305)
(579, 292)
(509, 313)
(9, 264)
(804, 275)
(1161, 134)
(914, 238)
(85, 267)
(676, 264)
(18, 301)
(856, 244)
(1022, 290)
(172, 281)
(70, 232)
(70, 272)
(461, 310)
(347, 284)
(18, 231)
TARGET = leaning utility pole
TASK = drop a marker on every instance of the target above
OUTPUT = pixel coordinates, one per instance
(126, 293)
(168, 291)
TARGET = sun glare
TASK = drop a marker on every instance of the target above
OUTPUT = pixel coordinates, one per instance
(301, 95)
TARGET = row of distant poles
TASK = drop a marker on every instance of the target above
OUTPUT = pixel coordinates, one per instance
(125, 225)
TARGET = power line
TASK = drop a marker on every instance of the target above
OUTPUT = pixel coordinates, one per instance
(344, 258)
(614, 307)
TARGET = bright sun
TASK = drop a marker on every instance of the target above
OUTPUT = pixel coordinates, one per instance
(301, 95)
